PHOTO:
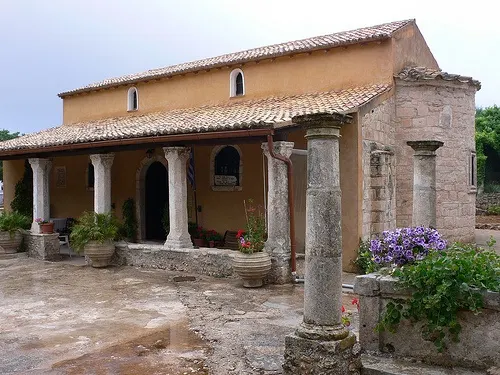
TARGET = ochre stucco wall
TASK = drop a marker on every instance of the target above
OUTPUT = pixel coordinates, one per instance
(410, 49)
(359, 65)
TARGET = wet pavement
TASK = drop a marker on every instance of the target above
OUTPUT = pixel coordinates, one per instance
(64, 318)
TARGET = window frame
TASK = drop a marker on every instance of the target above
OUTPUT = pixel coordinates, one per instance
(132, 105)
(215, 152)
(472, 171)
(233, 84)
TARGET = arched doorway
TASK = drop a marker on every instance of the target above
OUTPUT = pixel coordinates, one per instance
(155, 200)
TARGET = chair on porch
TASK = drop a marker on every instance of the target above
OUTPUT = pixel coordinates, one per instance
(230, 240)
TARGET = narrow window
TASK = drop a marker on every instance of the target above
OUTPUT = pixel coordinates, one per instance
(133, 99)
(473, 170)
(239, 84)
(236, 83)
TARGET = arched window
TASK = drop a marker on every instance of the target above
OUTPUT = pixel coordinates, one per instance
(237, 83)
(227, 168)
(133, 99)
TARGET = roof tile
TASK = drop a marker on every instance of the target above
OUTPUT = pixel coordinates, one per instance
(259, 113)
(305, 45)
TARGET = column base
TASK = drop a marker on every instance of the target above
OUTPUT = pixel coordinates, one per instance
(322, 357)
(281, 271)
(178, 243)
(42, 246)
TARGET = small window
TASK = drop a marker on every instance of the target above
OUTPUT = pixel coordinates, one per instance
(473, 170)
(237, 83)
(133, 99)
(227, 167)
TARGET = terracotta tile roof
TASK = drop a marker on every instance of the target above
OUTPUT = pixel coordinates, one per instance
(364, 34)
(272, 112)
(420, 73)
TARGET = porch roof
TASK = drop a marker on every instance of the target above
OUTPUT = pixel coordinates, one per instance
(267, 113)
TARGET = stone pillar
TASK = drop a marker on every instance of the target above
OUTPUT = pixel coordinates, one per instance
(41, 192)
(278, 243)
(424, 182)
(178, 237)
(102, 181)
(321, 344)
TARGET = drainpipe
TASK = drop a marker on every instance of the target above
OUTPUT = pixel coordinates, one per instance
(291, 205)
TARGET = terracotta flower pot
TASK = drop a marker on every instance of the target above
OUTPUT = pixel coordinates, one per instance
(47, 228)
(200, 242)
(100, 253)
(252, 268)
(9, 243)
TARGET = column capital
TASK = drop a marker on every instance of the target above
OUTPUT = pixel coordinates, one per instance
(322, 125)
(177, 152)
(425, 147)
(282, 148)
(39, 162)
(104, 159)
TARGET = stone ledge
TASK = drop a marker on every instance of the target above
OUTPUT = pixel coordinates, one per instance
(204, 261)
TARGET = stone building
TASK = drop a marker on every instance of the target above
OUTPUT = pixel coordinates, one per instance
(131, 137)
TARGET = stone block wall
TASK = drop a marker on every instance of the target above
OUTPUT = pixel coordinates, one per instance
(444, 111)
(42, 246)
(379, 172)
(478, 345)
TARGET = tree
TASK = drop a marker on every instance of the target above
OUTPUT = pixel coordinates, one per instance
(5, 135)
(487, 138)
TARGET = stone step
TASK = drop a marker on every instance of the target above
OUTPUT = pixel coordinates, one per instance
(373, 365)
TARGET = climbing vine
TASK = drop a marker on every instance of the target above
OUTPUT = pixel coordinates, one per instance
(23, 193)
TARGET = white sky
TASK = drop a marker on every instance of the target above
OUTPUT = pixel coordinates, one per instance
(49, 46)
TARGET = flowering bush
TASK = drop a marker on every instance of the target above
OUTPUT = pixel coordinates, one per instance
(212, 235)
(200, 233)
(346, 315)
(405, 245)
(252, 240)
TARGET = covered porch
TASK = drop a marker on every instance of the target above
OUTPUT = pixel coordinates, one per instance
(98, 165)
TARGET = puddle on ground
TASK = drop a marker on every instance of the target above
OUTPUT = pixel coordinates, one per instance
(175, 351)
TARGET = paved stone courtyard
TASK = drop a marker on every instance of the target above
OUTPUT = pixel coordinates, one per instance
(61, 318)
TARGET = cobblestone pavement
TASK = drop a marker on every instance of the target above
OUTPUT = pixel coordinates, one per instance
(61, 318)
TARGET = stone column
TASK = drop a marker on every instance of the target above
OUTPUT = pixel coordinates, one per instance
(321, 344)
(424, 182)
(41, 192)
(178, 237)
(278, 243)
(102, 181)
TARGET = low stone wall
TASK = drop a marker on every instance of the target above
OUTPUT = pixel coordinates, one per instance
(42, 246)
(203, 261)
(485, 200)
(478, 347)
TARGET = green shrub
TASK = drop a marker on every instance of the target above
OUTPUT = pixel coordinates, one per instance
(443, 284)
(493, 210)
(128, 229)
(93, 227)
(364, 260)
(23, 193)
(12, 221)
(492, 188)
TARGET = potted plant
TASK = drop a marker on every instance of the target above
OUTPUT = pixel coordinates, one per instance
(199, 237)
(251, 263)
(46, 226)
(94, 234)
(10, 234)
(214, 238)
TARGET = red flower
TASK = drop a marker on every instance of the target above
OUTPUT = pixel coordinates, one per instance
(355, 301)
(343, 309)
(240, 233)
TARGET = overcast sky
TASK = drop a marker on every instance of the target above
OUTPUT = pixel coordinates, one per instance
(49, 46)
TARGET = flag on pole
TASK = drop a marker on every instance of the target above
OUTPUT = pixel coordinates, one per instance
(191, 176)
